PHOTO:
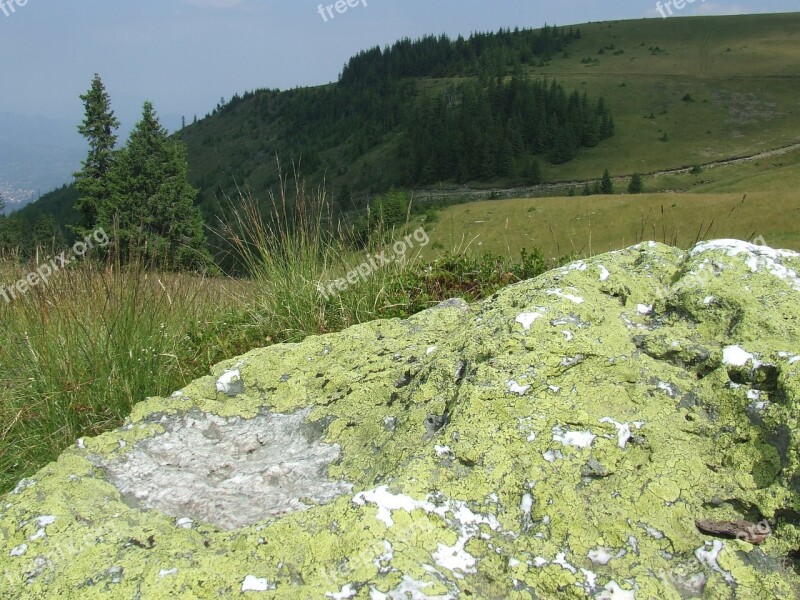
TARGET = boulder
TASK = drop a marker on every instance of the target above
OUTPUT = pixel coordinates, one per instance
(624, 427)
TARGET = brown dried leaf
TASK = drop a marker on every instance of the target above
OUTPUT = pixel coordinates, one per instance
(755, 533)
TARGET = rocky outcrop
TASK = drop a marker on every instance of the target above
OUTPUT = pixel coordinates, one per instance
(623, 427)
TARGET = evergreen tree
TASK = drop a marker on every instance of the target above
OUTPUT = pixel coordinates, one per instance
(92, 181)
(47, 233)
(12, 234)
(636, 186)
(151, 209)
(533, 172)
(606, 185)
(390, 210)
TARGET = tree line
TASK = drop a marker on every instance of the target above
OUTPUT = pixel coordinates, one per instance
(482, 54)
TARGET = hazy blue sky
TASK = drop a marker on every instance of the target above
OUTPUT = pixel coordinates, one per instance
(185, 54)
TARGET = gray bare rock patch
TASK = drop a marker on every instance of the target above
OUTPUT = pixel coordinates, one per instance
(229, 472)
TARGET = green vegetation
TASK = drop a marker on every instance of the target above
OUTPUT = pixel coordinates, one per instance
(140, 193)
(93, 181)
(476, 133)
(606, 185)
(103, 335)
(593, 224)
(150, 209)
(636, 186)
(496, 110)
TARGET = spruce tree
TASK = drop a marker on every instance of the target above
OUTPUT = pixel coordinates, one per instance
(92, 181)
(152, 203)
(636, 186)
(606, 185)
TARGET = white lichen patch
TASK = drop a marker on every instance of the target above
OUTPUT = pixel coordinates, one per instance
(527, 319)
(708, 554)
(735, 356)
(669, 388)
(612, 591)
(559, 293)
(231, 472)
(561, 561)
(757, 258)
(552, 455)
(576, 439)
(167, 572)
(602, 555)
(623, 430)
(443, 451)
(409, 589)
(230, 383)
(516, 388)
(252, 583)
(604, 273)
(348, 591)
(456, 514)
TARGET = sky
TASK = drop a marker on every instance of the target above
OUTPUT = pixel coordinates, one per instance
(184, 55)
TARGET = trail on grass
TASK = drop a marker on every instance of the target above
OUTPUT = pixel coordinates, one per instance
(520, 192)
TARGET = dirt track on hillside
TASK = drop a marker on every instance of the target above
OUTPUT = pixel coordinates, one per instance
(521, 192)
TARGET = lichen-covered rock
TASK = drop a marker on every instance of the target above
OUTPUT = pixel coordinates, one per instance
(558, 440)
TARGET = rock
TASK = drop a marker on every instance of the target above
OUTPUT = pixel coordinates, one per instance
(558, 440)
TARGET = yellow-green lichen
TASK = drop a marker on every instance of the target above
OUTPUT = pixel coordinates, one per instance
(556, 440)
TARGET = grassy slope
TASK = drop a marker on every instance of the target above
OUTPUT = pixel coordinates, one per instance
(743, 73)
(594, 224)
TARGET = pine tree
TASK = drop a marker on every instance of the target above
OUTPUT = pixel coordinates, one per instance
(636, 186)
(152, 203)
(606, 185)
(92, 181)
(533, 172)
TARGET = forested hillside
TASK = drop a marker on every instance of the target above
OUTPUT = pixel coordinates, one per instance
(411, 114)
